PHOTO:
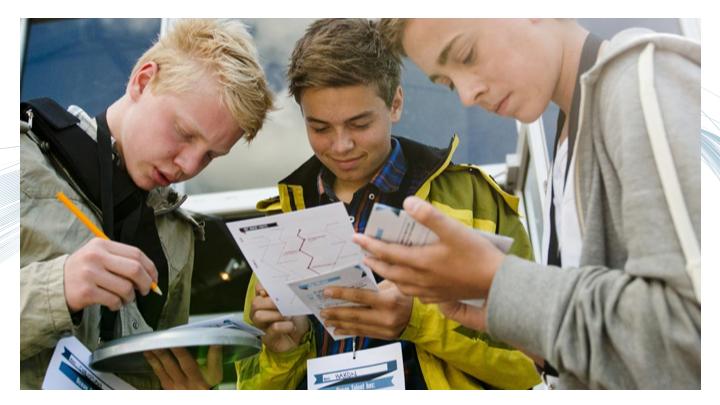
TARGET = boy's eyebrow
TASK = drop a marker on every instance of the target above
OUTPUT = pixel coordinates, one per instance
(315, 120)
(191, 129)
(363, 114)
(443, 57)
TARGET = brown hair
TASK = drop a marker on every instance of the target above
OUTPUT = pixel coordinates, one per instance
(344, 52)
(392, 30)
(220, 48)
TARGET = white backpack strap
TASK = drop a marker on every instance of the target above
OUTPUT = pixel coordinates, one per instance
(666, 167)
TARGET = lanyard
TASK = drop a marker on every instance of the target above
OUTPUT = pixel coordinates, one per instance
(587, 60)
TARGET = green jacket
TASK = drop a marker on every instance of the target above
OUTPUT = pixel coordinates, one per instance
(450, 356)
(49, 233)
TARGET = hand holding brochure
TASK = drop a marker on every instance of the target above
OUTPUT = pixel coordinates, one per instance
(396, 226)
(297, 254)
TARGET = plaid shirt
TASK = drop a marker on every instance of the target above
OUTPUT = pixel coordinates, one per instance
(384, 186)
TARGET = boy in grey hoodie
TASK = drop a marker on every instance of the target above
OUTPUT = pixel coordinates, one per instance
(613, 306)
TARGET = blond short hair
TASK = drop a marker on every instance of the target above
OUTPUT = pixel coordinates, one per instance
(222, 48)
(341, 52)
(392, 30)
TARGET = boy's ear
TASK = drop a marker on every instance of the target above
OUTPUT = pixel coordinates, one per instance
(397, 105)
(140, 80)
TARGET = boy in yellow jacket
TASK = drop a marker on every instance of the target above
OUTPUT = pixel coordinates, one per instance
(347, 84)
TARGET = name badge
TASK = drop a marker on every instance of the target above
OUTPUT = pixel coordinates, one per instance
(379, 368)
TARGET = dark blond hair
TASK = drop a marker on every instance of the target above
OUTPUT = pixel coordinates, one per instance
(392, 30)
(222, 49)
(343, 52)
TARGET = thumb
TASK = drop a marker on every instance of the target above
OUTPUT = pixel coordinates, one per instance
(213, 372)
(259, 289)
(423, 212)
(215, 355)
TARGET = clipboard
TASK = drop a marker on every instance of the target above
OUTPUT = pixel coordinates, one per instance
(125, 355)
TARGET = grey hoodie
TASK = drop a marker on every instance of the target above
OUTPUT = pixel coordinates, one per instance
(628, 317)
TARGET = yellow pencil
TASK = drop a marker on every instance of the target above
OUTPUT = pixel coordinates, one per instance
(94, 229)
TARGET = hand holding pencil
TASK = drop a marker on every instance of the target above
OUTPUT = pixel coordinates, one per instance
(105, 272)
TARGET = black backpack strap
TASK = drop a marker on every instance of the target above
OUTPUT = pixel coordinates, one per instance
(54, 115)
(51, 122)
(105, 164)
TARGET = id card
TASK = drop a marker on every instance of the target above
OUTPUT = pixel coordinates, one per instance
(379, 368)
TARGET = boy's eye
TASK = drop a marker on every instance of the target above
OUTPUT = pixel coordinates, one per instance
(447, 83)
(185, 136)
(470, 57)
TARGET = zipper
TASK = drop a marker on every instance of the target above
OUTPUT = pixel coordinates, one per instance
(29, 113)
(576, 170)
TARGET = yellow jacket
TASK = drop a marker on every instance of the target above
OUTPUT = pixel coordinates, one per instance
(450, 355)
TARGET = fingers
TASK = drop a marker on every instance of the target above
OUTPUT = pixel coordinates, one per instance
(413, 256)
(264, 312)
(263, 303)
(103, 297)
(405, 278)
(263, 318)
(129, 270)
(176, 369)
(118, 286)
(302, 326)
(356, 295)
(133, 253)
(389, 252)
(351, 315)
(265, 315)
(214, 370)
(166, 369)
(423, 212)
(215, 356)
(281, 328)
(157, 367)
(468, 315)
(171, 367)
(260, 290)
(189, 367)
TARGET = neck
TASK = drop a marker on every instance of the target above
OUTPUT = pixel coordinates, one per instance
(573, 39)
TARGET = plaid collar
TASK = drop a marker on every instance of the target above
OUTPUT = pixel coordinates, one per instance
(387, 180)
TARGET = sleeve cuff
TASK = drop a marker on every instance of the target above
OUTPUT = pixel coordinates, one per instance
(282, 360)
